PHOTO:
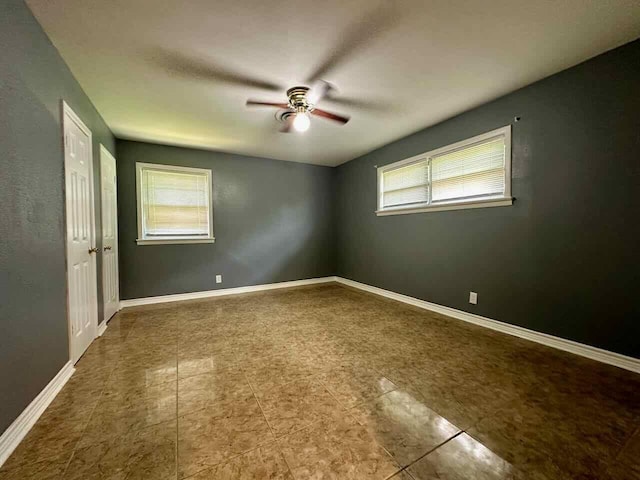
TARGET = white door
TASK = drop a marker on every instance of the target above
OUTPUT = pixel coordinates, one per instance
(109, 233)
(81, 251)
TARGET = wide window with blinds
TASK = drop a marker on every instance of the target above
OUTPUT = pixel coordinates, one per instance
(174, 204)
(469, 174)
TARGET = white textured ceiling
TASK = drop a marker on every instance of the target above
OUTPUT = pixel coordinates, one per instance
(179, 72)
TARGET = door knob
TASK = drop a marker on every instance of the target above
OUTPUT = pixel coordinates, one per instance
(107, 248)
(93, 250)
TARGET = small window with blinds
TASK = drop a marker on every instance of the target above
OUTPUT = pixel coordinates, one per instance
(406, 185)
(174, 204)
(469, 174)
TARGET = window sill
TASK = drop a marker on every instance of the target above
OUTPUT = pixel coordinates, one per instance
(173, 241)
(441, 207)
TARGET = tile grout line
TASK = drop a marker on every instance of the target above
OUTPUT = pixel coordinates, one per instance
(634, 432)
(207, 467)
(73, 452)
(464, 430)
(344, 407)
(460, 432)
(348, 412)
(305, 427)
(629, 439)
(276, 439)
(347, 408)
(102, 390)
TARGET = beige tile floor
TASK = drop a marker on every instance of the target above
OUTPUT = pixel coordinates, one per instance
(329, 383)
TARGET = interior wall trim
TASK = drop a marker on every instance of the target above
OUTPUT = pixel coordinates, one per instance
(222, 292)
(594, 353)
(13, 435)
(102, 328)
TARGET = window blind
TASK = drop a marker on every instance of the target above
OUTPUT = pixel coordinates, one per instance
(406, 185)
(476, 170)
(175, 203)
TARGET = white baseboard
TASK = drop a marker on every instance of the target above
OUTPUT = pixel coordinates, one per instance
(13, 435)
(598, 354)
(221, 292)
(102, 327)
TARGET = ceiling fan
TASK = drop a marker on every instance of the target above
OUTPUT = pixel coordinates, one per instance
(302, 101)
(301, 106)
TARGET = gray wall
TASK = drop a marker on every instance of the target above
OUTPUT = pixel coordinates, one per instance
(33, 321)
(565, 258)
(273, 222)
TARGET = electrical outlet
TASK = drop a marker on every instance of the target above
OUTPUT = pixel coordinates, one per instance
(218, 278)
(473, 298)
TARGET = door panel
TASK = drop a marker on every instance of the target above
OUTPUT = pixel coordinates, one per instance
(109, 233)
(81, 259)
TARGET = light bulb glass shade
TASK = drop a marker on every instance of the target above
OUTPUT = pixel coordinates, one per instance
(302, 122)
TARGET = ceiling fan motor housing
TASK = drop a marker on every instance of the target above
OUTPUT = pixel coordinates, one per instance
(298, 99)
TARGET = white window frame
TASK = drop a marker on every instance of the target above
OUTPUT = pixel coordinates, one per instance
(459, 204)
(171, 240)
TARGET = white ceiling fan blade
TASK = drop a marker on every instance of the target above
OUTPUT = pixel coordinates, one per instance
(318, 91)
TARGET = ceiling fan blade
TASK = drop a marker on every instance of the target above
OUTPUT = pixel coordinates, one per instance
(205, 69)
(361, 104)
(330, 116)
(266, 104)
(318, 91)
(360, 34)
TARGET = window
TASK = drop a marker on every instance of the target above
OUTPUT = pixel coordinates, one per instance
(469, 174)
(174, 204)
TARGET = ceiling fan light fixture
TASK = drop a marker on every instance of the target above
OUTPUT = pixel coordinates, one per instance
(302, 122)
(296, 113)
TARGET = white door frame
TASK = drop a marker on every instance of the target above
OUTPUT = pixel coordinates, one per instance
(67, 113)
(104, 152)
